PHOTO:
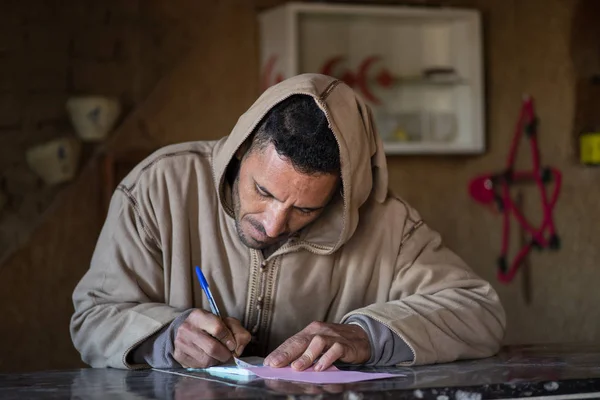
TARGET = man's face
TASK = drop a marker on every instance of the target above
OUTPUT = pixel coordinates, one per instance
(273, 201)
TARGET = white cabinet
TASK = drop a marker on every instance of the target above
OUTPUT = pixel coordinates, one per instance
(420, 69)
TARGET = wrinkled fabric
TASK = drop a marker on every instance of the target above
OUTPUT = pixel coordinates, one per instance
(387, 349)
(157, 351)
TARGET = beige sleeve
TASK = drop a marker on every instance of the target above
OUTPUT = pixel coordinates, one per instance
(438, 305)
(119, 302)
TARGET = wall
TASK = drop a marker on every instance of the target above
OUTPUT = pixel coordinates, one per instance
(528, 49)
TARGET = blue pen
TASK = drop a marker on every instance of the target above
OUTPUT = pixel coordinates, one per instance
(206, 289)
(215, 309)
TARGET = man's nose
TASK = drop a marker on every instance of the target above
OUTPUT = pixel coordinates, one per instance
(276, 221)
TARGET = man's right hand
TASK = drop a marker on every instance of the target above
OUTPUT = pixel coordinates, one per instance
(204, 340)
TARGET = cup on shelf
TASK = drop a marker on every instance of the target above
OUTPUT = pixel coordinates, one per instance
(93, 117)
(55, 161)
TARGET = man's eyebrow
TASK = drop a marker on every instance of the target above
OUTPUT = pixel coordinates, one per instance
(263, 189)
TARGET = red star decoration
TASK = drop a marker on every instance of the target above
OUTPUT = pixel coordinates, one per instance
(495, 188)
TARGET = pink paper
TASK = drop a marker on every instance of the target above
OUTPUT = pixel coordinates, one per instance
(331, 375)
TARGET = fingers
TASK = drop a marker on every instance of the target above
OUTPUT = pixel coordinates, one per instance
(214, 326)
(197, 361)
(316, 347)
(196, 344)
(241, 336)
(348, 343)
(288, 351)
(189, 355)
(336, 352)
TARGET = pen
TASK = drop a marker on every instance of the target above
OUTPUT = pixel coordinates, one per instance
(214, 308)
(206, 290)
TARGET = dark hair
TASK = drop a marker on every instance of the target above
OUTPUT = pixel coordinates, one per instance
(300, 132)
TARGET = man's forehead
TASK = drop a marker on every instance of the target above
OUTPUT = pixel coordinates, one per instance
(277, 175)
(268, 160)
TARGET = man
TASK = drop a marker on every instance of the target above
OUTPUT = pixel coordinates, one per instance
(309, 256)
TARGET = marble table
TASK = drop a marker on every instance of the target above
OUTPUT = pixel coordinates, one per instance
(553, 372)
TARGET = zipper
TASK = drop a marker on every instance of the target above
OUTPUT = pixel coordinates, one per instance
(410, 232)
(252, 289)
(261, 296)
(401, 336)
(325, 94)
(345, 188)
(259, 304)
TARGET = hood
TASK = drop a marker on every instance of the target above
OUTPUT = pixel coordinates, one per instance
(363, 163)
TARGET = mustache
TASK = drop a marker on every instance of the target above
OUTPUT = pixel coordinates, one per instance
(258, 226)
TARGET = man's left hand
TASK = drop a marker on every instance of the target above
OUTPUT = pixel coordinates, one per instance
(332, 342)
